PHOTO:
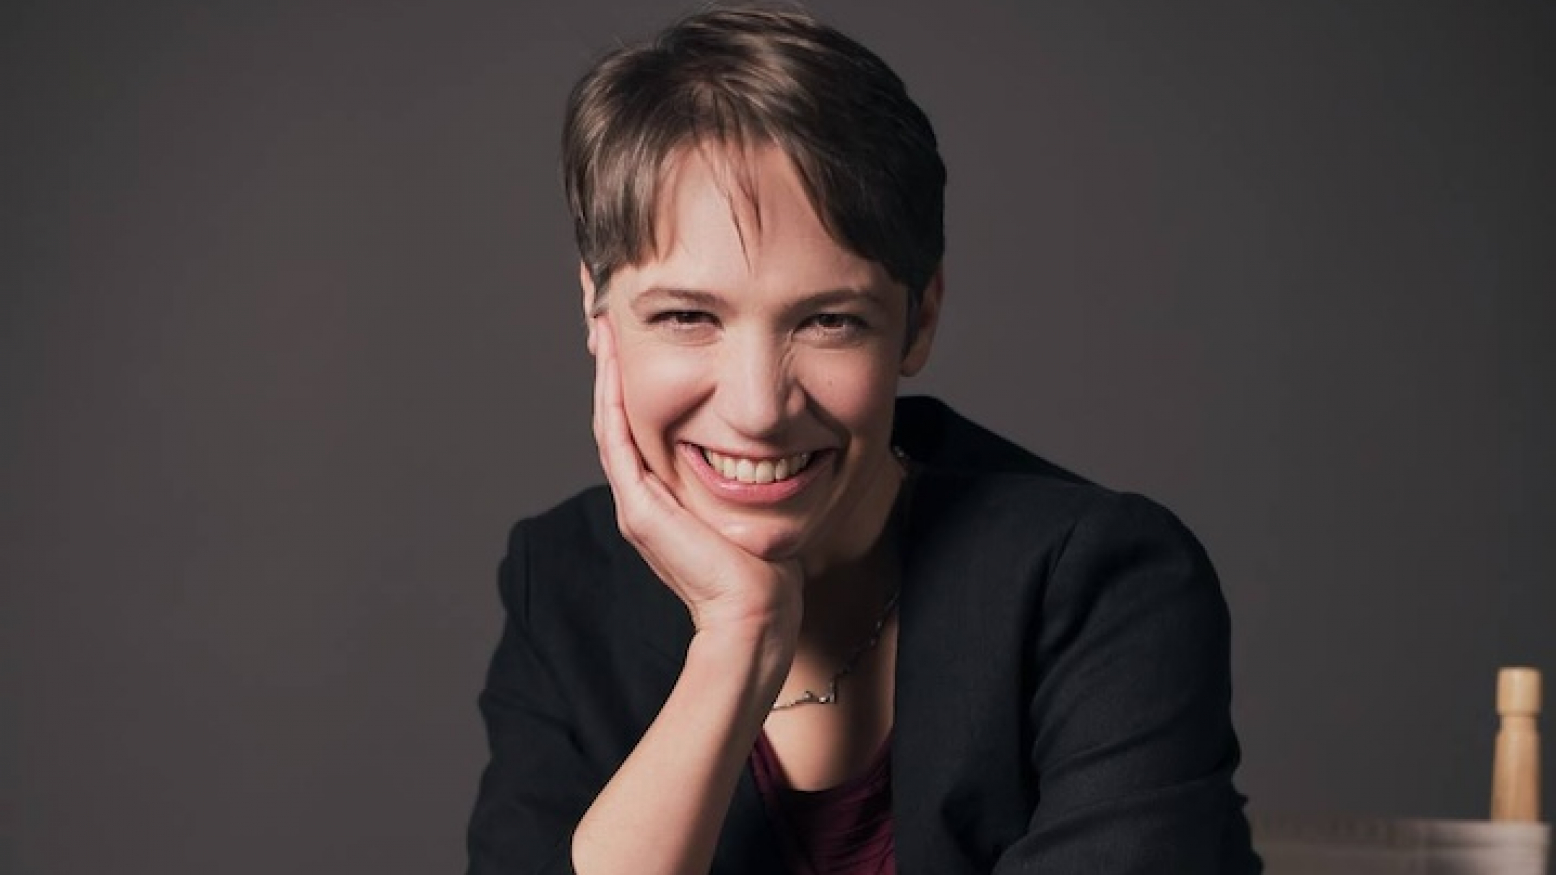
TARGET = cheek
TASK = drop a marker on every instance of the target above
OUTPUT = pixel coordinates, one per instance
(658, 387)
(859, 394)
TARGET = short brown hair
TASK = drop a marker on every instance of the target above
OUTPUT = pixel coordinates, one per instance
(864, 151)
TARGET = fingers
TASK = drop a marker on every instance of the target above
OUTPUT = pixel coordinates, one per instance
(607, 406)
(640, 497)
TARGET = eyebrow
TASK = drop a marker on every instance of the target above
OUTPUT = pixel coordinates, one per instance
(868, 295)
(710, 300)
(693, 297)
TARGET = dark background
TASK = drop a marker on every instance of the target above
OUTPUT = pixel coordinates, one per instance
(290, 335)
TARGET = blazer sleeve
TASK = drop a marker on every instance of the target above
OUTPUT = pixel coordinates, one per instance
(1133, 746)
(538, 782)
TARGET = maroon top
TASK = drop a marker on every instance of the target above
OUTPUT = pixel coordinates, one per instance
(843, 830)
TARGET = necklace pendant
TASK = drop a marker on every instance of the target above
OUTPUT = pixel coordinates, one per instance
(808, 697)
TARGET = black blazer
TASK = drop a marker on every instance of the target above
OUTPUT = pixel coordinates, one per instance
(1062, 679)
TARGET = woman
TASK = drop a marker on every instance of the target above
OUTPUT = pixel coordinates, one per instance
(807, 627)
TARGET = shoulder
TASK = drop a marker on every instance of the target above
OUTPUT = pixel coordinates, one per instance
(584, 519)
(570, 577)
(977, 487)
(571, 554)
(1047, 529)
(996, 534)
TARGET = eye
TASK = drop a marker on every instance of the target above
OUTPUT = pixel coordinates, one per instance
(837, 325)
(681, 319)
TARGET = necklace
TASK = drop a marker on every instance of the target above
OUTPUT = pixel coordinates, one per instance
(810, 697)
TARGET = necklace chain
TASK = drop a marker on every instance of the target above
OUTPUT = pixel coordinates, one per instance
(810, 697)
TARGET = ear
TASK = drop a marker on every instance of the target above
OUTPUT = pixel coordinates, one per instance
(586, 282)
(928, 319)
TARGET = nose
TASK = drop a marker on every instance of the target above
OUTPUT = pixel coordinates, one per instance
(758, 395)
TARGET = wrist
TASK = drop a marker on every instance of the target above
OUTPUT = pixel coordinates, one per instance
(764, 626)
(754, 657)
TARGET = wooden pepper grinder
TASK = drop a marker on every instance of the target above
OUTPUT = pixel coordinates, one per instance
(1515, 772)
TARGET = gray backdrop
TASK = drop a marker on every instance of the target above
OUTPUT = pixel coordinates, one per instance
(290, 336)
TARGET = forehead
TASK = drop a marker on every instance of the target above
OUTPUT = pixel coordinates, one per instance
(730, 216)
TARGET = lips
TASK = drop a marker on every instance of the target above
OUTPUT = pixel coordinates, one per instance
(747, 480)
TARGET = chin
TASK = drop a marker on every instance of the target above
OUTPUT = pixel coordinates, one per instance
(773, 542)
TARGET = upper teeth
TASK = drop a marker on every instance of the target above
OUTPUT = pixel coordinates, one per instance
(753, 470)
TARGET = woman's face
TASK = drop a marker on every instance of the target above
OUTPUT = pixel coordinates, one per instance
(759, 360)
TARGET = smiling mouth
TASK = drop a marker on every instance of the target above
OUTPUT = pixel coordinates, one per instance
(745, 470)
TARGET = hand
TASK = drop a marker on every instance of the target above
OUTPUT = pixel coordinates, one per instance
(724, 587)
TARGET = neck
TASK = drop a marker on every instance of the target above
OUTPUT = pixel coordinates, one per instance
(845, 598)
(856, 536)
